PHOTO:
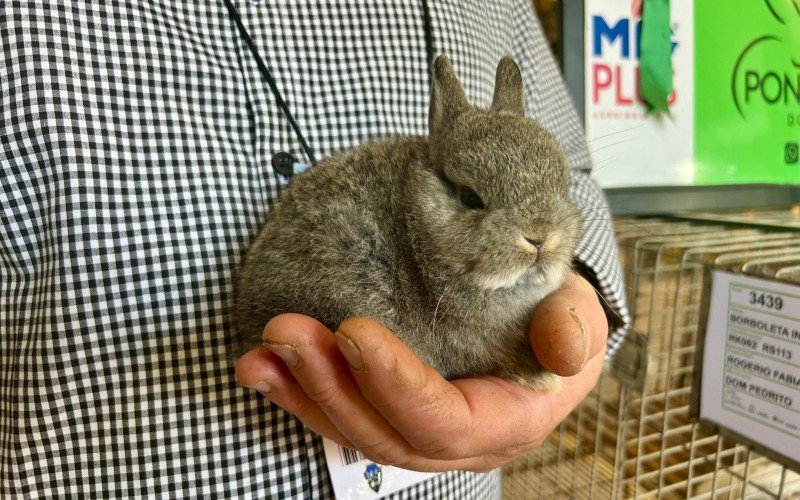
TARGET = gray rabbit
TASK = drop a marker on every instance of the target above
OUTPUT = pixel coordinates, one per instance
(448, 240)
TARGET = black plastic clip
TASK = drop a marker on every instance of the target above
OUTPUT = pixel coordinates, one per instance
(287, 165)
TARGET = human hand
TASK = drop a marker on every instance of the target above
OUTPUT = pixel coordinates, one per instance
(364, 389)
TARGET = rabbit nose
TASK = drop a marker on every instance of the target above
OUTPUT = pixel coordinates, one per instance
(535, 242)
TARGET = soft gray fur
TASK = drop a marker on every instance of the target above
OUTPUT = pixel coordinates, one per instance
(379, 231)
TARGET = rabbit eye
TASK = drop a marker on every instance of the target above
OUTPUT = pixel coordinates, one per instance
(469, 198)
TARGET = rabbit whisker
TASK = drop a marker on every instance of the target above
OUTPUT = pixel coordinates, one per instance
(615, 133)
(436, 309)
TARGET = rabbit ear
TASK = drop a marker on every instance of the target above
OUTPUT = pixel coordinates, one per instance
(508, 91)
(448, 99)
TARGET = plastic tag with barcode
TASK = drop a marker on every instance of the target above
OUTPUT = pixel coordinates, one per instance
(356, 478)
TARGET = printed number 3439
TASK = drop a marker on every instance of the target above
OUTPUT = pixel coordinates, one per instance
(766, 300)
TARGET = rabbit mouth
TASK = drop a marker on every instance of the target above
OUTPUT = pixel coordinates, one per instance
(524, 277)
(494, 271)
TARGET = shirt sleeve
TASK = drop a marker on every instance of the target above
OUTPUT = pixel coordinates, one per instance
(548, 102)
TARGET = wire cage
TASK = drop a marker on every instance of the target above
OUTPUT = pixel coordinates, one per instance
(625, 442)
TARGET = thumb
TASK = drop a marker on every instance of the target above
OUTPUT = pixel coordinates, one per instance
(568, 327)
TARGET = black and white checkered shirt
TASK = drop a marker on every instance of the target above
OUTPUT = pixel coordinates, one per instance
(135, 146)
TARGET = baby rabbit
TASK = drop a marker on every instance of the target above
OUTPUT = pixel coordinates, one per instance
(448, 240)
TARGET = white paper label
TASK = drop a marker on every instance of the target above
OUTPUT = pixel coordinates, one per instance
(751, 361)
(354, 477)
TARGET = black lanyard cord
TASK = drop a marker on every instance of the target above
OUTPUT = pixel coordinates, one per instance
(265, 73)
(427, 27)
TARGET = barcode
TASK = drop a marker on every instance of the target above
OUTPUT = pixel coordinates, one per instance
(350, 456)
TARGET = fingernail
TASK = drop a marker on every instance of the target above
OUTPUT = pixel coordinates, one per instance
(585, 338)
(287, 352)
(350, 351)
(262, 386)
